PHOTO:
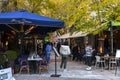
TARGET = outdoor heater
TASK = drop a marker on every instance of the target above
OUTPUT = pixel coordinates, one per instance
(101, 45)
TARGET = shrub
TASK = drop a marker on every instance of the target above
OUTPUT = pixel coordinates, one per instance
(11, 54)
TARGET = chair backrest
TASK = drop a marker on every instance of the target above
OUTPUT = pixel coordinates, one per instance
(24, 63)
(112, 59)
(97, 58)
(44, 62)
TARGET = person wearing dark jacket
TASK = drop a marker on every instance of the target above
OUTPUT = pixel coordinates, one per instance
(75, 53)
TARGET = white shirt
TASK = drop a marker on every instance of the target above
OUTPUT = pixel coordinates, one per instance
(65, 50)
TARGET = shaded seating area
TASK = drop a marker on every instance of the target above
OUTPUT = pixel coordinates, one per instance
(35, 27)
(32, 64)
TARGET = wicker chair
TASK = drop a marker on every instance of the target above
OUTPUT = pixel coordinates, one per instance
(43, 66)
(24, 65)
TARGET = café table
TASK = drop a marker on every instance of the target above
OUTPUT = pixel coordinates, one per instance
(34, 61)
(107, 59)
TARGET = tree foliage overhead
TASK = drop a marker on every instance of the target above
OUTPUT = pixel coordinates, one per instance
(88, 15)
(81, 15)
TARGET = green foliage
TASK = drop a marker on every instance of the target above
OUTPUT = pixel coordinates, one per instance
(2, 59)
(11, 54)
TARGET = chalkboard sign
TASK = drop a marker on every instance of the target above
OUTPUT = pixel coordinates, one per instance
(56, 52)
(117, 53)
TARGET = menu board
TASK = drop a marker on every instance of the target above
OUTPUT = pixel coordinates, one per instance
(117, 53)
(6, 74)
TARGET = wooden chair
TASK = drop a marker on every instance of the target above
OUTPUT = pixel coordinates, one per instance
(24, 65)
(43, 65)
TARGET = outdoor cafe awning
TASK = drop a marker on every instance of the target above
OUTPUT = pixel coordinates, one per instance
(16, 19)
(74, 35)
(64, 36)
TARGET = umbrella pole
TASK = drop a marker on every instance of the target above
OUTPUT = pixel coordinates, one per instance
(21, 44)
(35, 45)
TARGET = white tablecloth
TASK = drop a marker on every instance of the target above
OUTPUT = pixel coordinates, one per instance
(35, 59)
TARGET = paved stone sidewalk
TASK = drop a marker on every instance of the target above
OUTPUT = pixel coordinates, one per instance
(75, 71)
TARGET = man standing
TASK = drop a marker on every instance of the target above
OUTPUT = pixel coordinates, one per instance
(88, 50)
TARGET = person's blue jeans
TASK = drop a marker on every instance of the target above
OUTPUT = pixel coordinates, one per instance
(48, 56)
